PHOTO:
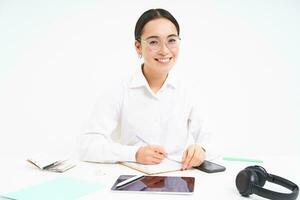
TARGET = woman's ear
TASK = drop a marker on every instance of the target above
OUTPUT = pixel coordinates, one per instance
(138, 48)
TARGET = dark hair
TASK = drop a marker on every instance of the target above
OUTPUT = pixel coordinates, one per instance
(150, 15)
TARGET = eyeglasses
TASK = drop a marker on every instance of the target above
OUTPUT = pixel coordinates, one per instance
(155, 44)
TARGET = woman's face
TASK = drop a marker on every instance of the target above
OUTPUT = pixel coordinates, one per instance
(159, 45)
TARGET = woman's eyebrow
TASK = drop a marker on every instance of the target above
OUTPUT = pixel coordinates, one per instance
(173, 35)
(154, 36)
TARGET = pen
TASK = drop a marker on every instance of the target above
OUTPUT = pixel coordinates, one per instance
(138, 137)
(149, 144)
(129, 181)
(51, 165)
(242, 159)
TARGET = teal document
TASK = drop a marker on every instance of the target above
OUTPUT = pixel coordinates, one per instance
(62, 188)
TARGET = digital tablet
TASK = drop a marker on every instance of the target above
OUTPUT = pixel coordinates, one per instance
(156, 184)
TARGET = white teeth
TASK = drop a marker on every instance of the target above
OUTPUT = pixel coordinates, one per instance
(164, 60)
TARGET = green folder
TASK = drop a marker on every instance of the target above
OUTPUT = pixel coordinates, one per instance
(64, 188)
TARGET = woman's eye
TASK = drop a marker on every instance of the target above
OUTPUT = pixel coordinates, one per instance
(153, 42)
(172, 41)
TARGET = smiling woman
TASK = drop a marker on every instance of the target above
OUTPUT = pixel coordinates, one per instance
(159, 30)
(155, 111)
(159, 45)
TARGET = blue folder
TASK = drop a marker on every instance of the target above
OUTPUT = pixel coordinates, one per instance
(62, 188)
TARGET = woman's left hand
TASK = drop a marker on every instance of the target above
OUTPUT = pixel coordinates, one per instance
(193, 156)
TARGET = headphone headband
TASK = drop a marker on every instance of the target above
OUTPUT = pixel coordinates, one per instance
(252, 179)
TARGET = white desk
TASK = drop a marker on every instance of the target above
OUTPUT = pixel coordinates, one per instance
(16, 173)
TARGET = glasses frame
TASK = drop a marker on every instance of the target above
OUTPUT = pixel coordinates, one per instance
(161, 42)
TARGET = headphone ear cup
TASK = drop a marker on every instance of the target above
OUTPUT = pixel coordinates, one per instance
(245, 180)
(261, 173)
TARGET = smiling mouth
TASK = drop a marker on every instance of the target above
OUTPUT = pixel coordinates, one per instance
(163, 60)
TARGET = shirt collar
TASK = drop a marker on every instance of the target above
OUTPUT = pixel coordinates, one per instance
(139, 80)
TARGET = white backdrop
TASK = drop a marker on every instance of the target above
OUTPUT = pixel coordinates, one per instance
(242, 57)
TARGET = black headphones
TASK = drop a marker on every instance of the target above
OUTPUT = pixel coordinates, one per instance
(252, 179)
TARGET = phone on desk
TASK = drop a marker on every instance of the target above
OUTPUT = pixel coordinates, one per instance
(210, 167)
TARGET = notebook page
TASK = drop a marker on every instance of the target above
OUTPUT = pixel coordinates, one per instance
(165, 166)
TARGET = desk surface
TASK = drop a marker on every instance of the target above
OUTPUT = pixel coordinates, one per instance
(16, 173)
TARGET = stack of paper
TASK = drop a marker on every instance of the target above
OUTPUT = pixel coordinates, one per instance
(50, 163)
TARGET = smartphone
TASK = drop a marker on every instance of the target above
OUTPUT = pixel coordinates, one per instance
(210, 167)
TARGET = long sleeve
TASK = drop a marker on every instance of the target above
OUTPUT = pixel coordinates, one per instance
(197, 128)
(95, 144)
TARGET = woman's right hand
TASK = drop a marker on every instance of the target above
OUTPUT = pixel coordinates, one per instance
(150, 154)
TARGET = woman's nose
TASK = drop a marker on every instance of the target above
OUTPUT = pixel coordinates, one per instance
(163, 49)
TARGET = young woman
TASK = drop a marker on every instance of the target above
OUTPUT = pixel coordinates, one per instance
(154, 111)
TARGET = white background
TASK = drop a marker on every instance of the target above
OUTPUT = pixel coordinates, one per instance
(242, 57)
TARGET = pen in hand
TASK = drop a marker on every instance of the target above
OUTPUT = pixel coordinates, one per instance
(160, 152)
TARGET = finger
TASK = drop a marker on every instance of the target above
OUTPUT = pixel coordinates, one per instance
(196, 158)
(190, 160)
(189, 157)
(183, 159)
(159, 149)
(184, 156)
(158, 156)
(155, 160)
(202, 156)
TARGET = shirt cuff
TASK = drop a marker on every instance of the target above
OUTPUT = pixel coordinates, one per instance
(127, 153)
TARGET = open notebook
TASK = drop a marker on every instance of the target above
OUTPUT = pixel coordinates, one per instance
(166, 165)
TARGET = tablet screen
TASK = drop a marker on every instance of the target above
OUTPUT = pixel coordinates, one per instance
(158, 184)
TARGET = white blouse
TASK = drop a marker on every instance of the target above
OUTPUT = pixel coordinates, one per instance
(168, 118)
